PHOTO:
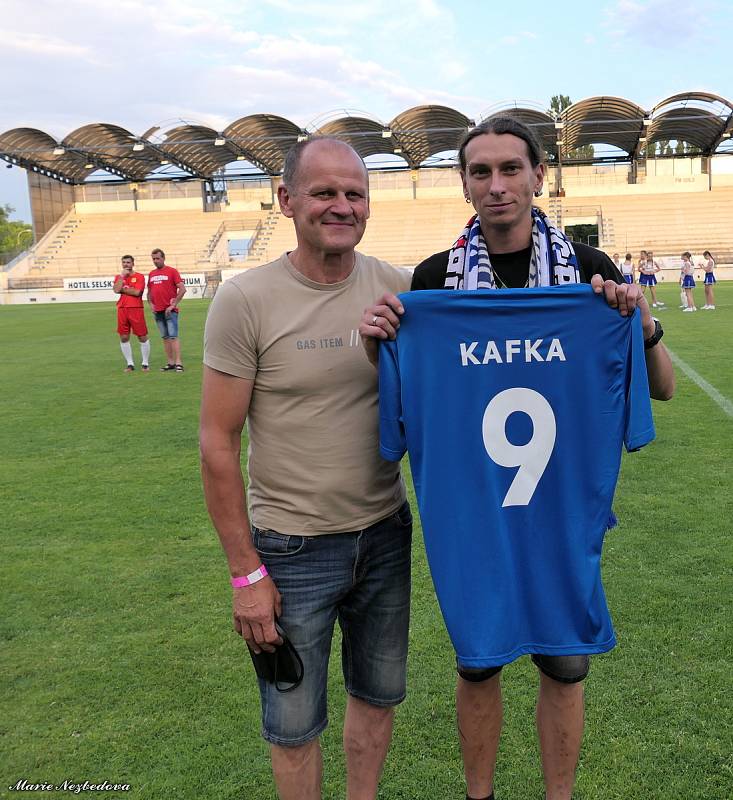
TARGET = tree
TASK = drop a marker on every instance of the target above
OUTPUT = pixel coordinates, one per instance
(558, 104)
(15, 236)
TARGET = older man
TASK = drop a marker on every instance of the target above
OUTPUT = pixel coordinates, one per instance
(165, 291)
(509, 244)
(328, 533)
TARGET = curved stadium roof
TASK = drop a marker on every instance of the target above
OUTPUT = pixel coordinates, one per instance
(542, 123)
(607, 120)
(264, 139)
(698, 118)
(703, 120)
(367, 136)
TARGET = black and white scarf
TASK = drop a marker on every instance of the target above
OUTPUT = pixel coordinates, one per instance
(553, 260)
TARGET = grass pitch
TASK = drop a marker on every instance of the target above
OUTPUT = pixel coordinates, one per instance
(118, 662)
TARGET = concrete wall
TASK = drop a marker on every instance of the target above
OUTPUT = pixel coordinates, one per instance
(124, 206)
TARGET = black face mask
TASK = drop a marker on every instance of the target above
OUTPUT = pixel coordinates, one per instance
(283, 666)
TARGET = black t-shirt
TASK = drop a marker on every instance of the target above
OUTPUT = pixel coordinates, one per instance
(512, 268)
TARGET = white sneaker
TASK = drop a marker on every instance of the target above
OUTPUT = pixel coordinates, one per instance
(660, 303)
(711, 308)
(685, 310)
(654, 305)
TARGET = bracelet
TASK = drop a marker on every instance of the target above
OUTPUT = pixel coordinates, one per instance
(253, 577)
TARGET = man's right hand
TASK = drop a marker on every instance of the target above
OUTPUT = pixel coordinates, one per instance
(255, 608)
(380, 321)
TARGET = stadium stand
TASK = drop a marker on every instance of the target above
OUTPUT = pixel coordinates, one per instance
(659, 178)
(401, 230)
(91, 244)
(404, 231)
(669, 223)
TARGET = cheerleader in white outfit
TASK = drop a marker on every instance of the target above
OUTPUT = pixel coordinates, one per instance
(709, 266)
(688, 281)
(627, 269)
(648, 269)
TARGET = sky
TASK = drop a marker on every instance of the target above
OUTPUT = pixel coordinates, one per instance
(138, 64)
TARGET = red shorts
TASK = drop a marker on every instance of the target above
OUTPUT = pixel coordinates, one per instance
(134, 318)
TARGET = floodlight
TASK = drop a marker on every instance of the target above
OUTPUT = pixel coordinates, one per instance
(386, 134)
(138, 146)
(559, 126)
(219, 141)
(302, 137)
(397, 150)
(164, 161)
(59, 151)
(560, 141)
(89, 165)
(241, 158)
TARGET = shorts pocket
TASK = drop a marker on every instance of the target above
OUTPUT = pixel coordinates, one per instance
(272, 543)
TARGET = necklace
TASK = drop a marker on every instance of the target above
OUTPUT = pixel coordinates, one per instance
(500, 284)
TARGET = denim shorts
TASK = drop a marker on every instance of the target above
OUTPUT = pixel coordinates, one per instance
(360, 578)
(168, 326)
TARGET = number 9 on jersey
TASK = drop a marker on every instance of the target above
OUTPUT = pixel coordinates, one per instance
(532, 457)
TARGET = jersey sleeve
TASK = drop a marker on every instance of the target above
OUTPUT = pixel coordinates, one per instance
(639, 423)
(392, 443)
(230, 339)
(176, 276)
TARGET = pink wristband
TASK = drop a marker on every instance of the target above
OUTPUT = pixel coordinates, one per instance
(253, 577)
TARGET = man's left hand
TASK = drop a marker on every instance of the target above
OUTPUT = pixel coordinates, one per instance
(380, 321)
(625, 297)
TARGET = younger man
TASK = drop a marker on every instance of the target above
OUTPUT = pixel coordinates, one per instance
(129, 285)
(508, 245)
(165, 290)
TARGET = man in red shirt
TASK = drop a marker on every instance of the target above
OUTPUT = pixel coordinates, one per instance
(130, 285)
(165, 290)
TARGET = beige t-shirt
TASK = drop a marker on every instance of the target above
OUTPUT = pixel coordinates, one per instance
(314, 463)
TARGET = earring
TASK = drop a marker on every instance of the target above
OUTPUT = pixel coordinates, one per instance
(538, 192)
(467, 198)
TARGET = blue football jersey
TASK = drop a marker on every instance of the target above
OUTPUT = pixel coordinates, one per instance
(514, 405)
